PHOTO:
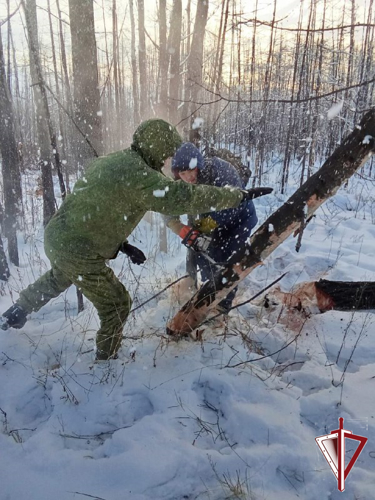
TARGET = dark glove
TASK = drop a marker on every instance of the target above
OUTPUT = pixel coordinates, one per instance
(135, 255)
(195, 240)
(250, 194)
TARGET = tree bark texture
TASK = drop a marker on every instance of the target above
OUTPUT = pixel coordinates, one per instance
(42, 112)
(10, 164)
(163, 61)
(142, 61)
(85, 77)
(355, 150)
(346, 295)
(133, 57)
(327, 295)
(174, 42)
(4, 268)
(194, 67)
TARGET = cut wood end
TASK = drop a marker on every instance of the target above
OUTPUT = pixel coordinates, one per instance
(186, 321)
(196, 334)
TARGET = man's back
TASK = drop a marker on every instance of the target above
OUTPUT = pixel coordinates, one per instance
(220, 173)
(105, 205)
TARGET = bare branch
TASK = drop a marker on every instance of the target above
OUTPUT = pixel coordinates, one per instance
(4, 21)
(299, 30)
(151, 40)
(282, 101)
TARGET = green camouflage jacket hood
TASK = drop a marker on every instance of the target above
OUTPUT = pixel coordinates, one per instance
(155, 141)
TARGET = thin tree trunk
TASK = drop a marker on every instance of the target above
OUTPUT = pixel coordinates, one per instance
(137, 118)
(42, 111)
(215, 68)
(367, 58)
(142, 61)
(188, 32)
(66, 90)
(9, 36)
(239, 81)
(173, 49)
(10, 166)
(17, 108)
(4, 268)
(85, 76)
(219, 57)
(287, 153)
(194, 69)
(267, 86)
(53, 139)
(163, 61)
(315, 131)
(115, 58)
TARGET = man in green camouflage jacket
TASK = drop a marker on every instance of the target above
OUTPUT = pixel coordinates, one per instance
(94, 221)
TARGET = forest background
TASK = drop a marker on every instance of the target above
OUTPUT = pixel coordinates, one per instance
(272, 82)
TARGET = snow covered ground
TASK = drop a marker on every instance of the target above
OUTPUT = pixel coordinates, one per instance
(173, 421)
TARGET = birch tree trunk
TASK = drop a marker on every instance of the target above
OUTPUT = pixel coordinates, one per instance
(356, 149)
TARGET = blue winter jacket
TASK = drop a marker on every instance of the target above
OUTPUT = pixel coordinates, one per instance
(234, 222)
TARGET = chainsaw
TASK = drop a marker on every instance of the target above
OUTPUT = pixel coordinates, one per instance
(200, 243)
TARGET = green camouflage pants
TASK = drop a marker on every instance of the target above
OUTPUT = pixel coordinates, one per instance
(97, 282)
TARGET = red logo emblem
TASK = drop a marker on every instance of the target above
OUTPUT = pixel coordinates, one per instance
(333, 448)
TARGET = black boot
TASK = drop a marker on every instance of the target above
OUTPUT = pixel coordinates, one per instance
(14, 317)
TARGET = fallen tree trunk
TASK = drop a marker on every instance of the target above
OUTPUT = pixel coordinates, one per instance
(356, 149)
(347, 295)
(327, 295)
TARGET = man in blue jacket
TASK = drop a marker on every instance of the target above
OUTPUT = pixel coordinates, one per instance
(219, 234)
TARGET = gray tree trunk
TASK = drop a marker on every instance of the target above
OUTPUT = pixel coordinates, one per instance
(42, 113)
(4, 268)
(143, 98)
(174, 43)
(134, 67)
(86, 94)
(163, 61)
(10, 164)
(194, 71)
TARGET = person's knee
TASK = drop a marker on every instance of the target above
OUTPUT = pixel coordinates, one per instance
(124, 305)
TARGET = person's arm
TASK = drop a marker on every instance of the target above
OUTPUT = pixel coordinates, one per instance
(159, 194)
